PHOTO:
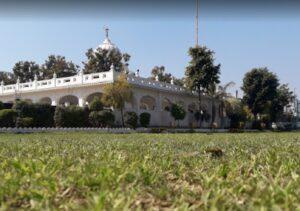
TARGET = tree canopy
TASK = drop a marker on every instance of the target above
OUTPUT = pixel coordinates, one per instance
(117, 94)
(100, 60)
(263, 93)
(58, 64)
(26, 70)
(7, 77)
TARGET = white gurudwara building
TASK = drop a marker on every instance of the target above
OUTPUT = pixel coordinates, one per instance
(150, 96)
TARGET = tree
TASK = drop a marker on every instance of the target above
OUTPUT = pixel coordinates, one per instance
(260, 89)
(7, 77)
(131, 119)
(117, 94)
(159, 71)
(100, 60)
(96, 104)
(221, 94)
(178, 112)
(145, 119)
(59, 65)
(26, 71)
(283, 99)
(201, 74)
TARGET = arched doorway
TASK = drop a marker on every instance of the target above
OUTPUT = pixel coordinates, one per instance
(166, 104)
(45, 100)
(147, 103)
(68, 100)
(91, 97)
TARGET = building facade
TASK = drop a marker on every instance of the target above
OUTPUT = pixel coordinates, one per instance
(150, 96)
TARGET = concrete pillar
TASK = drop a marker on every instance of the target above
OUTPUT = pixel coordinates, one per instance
(54, 103)
(81, 102)
(54, 79)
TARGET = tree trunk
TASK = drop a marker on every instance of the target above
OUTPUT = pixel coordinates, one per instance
(213, 112)
(199, 99)
(122, 117)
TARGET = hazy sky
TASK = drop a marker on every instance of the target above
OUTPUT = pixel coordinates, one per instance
(240, 42)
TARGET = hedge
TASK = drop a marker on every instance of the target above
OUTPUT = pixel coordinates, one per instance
(8, 117)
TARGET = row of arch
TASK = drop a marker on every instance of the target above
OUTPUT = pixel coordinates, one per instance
(146, 102)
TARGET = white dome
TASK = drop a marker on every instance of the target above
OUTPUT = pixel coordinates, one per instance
(107, 44)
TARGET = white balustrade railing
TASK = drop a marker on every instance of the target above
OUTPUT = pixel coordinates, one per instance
(83, 79)
(80, 79)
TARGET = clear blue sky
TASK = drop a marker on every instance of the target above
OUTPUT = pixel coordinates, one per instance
(239, 44)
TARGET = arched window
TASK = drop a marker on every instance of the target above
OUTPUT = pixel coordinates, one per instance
(166, 104)
(68, 100)
(45, 100)
(147, 103)
(192, 108)
(91, 97)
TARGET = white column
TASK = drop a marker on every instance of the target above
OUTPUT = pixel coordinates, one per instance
(54, 79)
(53, 103)
(81, 102)
(35, 81)
(2, 86)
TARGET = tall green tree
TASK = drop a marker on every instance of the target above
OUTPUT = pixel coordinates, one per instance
(260, 90)
(177, 112)
(100, 60)
(116, 94)
(26, 70)
(220, 94)
(7, 77)
(159, 71)
(201, 73)
(58, 64)
(284, 97)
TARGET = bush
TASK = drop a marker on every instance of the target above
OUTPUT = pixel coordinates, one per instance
(25, 122)
(145, 119)
(101, 118)
(96, 104)
(41, 114)
(177, 112)
(131, 119)
(1, 105)
(72, 116)
(8, 118)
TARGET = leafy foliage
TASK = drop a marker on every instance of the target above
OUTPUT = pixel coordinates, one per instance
(100, 60)
(71, 116)
(159, 72)
(58, 64)
(96, 104)
(101, 118)
(131, 119)
(7, 78)
(264, 95)
(178, 112)
(117, 94)
(41, 114)
(8, 118)
(145, 118)
(26, 70)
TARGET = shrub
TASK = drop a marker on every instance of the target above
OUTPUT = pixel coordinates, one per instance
(177, 112)
(96, 104)
(72, 116)
(41, 114)
(8, 118)
(131, 119)
(1, 105)
(25, 122)
(101, 118)
(108, 118)
(145, 119)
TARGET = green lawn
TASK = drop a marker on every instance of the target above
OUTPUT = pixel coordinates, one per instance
(97, 171)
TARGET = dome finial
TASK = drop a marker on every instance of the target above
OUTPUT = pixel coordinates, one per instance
(106, 29)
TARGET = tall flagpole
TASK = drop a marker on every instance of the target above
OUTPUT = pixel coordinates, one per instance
(197, 24)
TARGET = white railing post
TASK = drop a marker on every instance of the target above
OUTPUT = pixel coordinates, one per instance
(2, 86)
(54, 79)
(18, 84)
(81, 76)
(35, 81)
(113, 72)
